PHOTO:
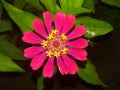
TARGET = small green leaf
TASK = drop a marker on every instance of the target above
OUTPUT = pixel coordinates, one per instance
(80, 10)
(94, 27)
(71, 6)
(10, 50)
(89, 74)
(64, 5)
(112, 2)
(36, 4)
(5, 25)
(76, 3)
(40, 83)
(1, 8)
(51, 5)
(19, 3)
(89, 4)
(7, 65)
(21, 18)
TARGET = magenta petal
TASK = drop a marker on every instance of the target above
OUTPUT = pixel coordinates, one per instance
(48, 69)
(70, 63)
(62, 67)
(78, 31)
(59, 20)
(69, 23)
(32, 51)
(39, 27)
(78, 43)
(32, 38)
(48, 21)
(38, 61)
(78, 53)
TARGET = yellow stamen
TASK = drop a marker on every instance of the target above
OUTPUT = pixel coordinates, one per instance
(44, 43)
(64, 37)
(56, 54)
(64, 50)
(50, 36)
(54, 32)
(49, 53)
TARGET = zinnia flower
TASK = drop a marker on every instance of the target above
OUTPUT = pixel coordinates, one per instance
(58, 42)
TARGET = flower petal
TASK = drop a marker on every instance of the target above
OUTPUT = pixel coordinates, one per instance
(71, 65)
(31, 52)
(38, 61)
(48, 69)
(48, 21)
(78, 31)
(78, 53)
(78, 43)
(39, 27)
(62, 67)
(32, 38)
(69, 23)
(59, 20)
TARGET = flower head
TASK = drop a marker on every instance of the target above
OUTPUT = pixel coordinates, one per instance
(56, 42)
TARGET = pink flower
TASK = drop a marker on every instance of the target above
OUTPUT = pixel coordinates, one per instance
(56, 42)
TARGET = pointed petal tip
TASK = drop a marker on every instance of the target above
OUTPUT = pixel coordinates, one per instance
(69, 23)
(46, 12)
(31, 52)
(47, 76)
(78, 53)
(59, 20)
(48, 69)
(77, 32)
(78, 43)
(71, 64)
(31, 37)
(48, 20)
(39, 27)
(38, 61)
(61, 66)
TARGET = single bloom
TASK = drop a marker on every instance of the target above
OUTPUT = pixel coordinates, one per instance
(59, 41)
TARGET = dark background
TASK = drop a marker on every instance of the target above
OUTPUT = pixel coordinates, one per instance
(104, 55)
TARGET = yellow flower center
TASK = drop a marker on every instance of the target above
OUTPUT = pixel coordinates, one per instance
(64, 50)
(55, 44)
(63, 36)
(49, 53)
(44, 43)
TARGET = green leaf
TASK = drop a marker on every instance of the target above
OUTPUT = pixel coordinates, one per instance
(21, 18)
(36, 4)
(40, 83)
(80, 10)
(94, 27)
(89, 74)
(10, 50)
(51, 5)
(7, 65)
(64, 5)
(5, 25)
(112, 2)
(73, 6)
(19, 3)
(68, 6)
(89, 4)
(1, 8)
